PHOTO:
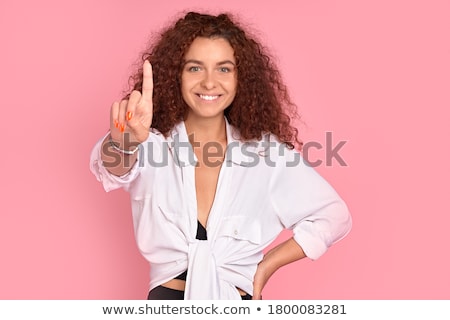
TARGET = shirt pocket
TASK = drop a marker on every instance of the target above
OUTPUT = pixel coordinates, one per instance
(171, 214)
(241, 228)
(169, 200)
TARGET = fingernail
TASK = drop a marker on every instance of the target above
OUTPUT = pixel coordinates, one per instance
(129, 115)
(116, 123)
(122, 128)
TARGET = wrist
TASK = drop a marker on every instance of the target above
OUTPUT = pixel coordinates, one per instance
(123, 146)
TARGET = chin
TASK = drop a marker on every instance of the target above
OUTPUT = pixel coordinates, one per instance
(206, 114)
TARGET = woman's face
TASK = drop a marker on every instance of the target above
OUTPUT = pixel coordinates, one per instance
(209, 77)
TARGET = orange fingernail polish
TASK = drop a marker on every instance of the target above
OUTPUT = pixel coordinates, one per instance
(116, 123)
(129, 115)
(122, 128)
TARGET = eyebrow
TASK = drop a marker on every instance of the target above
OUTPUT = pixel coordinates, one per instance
(201, 63)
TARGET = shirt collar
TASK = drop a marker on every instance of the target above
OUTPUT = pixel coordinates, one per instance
(179, 142)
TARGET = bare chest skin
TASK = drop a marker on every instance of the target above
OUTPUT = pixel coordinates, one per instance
(206, 178)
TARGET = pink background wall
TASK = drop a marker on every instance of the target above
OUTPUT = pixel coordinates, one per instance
(375, 73)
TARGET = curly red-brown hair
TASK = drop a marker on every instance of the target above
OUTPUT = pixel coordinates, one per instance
(262, 103)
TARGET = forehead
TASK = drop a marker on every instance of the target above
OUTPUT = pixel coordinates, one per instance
(210, 49)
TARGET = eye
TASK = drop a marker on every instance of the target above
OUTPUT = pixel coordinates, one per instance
(224, 69)
(194, 69)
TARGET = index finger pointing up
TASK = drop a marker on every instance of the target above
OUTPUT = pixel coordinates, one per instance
(147, 82)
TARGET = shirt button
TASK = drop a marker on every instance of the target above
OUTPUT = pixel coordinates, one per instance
(235, 232)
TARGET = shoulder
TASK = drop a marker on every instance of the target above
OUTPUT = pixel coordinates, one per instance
(268, 151)
(271, 146)
(158, 136)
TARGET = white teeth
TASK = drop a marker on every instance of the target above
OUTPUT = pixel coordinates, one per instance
(209, 98)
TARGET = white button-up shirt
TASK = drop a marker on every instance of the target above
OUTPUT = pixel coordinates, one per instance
(263, 188)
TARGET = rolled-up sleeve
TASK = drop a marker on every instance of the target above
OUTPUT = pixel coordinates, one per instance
(306, 203)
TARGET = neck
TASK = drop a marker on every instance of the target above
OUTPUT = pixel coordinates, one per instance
(206, 130)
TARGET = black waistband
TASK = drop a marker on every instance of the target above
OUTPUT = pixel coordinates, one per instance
(163, 293)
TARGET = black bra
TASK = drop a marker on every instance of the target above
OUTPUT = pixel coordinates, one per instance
(201, 235)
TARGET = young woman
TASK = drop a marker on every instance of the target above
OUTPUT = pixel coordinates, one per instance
(205, 146)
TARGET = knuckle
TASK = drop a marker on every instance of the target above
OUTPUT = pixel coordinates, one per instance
(136, 94)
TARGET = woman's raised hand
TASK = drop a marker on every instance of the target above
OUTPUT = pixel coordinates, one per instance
(134, 116)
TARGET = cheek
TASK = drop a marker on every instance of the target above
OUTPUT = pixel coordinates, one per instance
(234, 82)
(184, 87)
(188, 82)
(232, 86)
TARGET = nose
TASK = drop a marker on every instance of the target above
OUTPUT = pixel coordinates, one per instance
(208, 82)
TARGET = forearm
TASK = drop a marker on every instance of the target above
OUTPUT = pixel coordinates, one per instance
(117, 163)
(283, 254)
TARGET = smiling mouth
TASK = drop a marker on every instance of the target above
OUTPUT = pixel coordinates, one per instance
(208, 97)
